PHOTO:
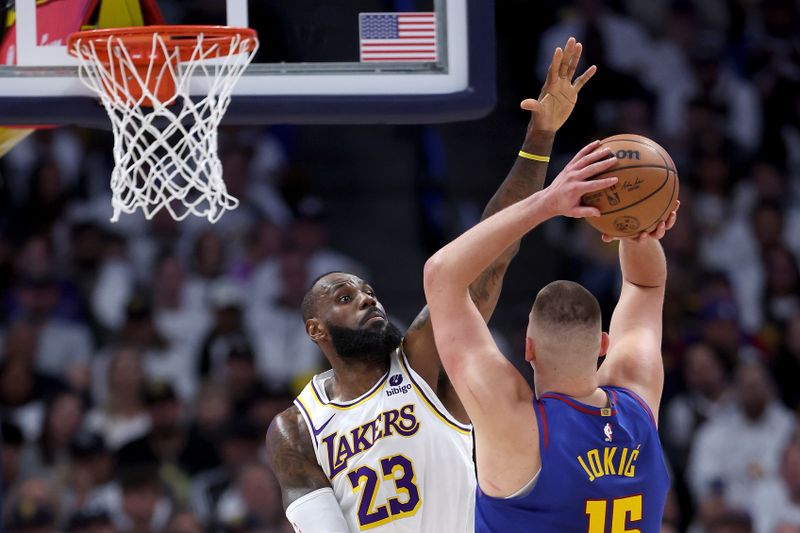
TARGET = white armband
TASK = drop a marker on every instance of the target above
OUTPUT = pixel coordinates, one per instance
(317, 512)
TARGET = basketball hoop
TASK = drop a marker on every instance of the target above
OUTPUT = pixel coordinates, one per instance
(165, 142)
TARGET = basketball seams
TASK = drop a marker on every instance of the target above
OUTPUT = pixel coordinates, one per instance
(640, 200)
(644, 142)
(672, 194)
(641, 166)
(669, 205)
(650, 144)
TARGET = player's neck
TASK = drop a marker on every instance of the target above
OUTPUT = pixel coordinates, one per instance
(351, 379)
(584, 389)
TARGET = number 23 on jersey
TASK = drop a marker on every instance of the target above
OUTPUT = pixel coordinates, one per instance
(400, 470)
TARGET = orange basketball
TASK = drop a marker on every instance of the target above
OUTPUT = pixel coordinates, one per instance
(646, 192)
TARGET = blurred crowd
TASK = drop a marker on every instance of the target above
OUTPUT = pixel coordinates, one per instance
(141, 362)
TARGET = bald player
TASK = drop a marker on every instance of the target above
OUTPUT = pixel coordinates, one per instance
(581, 451)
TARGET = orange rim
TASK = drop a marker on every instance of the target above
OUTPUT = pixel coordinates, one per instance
(138, 40)
(180, 44)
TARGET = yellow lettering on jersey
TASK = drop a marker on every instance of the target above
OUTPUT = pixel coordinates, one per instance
(630, 467)
(586, 468)
(597, 465)
(622, 456)
(594, 463)
(608, 461)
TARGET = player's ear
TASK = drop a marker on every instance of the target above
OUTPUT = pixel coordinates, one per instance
(530, 351)
(316, 330)
(603, 344)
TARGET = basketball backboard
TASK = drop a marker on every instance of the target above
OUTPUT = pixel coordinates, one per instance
(317, 62)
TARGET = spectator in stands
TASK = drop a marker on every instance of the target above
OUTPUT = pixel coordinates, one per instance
(263, 242)
(23, 389)
(161, 360)
(208, 259)
(12, 443)
(63, 347)
(254, 496)
(277, 329)
(239, 446)
(91, 472)
(90, 521)
(620, 48)
(787, 366)
(713, 79)
(705, 396)
(63, 418)
(227, 334)
(212, 411)
(32, 506)
(776, 501)
(179, 307)
(114, 284)
(732, 521)
(122, 416)
(178, 453)
(780, 297)
(184, 522)
(740, 446)
(138, 503)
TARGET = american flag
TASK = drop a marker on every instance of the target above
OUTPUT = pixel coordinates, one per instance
(397, 36)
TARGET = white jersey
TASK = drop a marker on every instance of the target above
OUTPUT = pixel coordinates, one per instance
(397, 461)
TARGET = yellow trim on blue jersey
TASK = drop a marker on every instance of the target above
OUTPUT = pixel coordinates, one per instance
(404, 364)
(343, 407)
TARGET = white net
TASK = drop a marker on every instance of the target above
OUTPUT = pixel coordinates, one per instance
(165, 152)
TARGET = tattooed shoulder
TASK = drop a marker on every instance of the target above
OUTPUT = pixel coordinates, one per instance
(290, 454)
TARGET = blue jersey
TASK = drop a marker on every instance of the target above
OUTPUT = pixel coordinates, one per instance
(603, 471)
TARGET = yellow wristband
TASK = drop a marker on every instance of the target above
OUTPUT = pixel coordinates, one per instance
(534, 157)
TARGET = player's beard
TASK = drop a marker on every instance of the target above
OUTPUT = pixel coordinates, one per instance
(365, 344)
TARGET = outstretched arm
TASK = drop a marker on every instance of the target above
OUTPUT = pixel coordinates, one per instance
(494, 394)
(633, 360)
(548, 113)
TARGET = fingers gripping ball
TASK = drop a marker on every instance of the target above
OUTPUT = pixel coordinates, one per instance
(647, 190)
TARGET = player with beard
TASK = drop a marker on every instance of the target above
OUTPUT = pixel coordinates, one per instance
(381, 441)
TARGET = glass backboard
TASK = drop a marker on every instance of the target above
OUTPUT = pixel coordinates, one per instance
(320, 61)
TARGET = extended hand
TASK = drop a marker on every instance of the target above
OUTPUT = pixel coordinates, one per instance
(563, 196)
(559, 94)
(657, 233)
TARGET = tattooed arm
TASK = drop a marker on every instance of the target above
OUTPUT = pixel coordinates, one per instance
(310, 503)
(548, 113)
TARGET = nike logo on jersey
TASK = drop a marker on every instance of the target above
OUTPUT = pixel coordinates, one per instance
(323, 426)
(341, 447)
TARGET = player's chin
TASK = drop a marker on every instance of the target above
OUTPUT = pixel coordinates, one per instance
(375, 324)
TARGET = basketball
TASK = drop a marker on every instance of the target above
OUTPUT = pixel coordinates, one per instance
(646, 192)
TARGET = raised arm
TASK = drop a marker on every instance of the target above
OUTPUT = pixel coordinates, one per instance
(633, 360)
(496, 397)
(548, 113)
(307, 494)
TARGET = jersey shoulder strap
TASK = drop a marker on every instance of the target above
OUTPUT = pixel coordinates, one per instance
(313, 411)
